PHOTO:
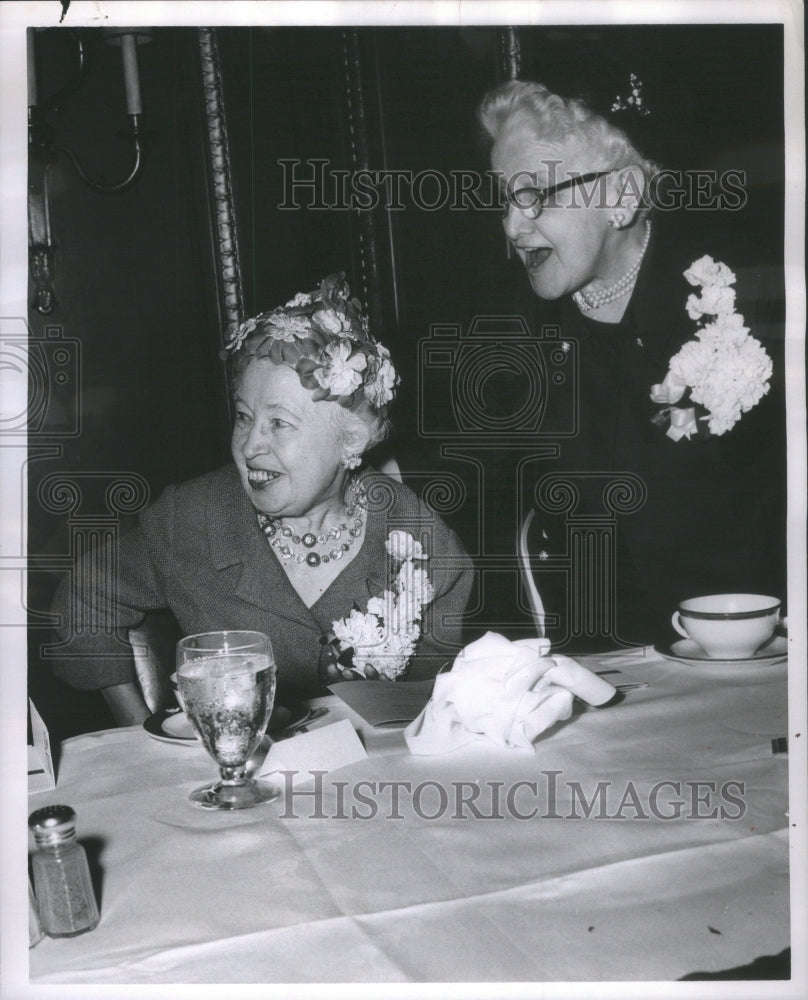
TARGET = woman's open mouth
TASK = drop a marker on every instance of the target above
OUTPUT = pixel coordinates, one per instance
(534, 258)
(259, 479)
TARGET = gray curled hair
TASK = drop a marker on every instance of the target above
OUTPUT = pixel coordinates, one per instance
(567, 120)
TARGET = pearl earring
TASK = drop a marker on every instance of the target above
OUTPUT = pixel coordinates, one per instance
(351, 461)
(617, 220)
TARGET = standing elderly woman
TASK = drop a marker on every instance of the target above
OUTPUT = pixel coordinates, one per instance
(348, 572)
(666, 401)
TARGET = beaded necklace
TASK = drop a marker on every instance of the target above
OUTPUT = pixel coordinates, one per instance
(285, 540)
(587, 301)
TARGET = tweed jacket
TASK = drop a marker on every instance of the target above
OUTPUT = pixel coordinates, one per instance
(199, 552)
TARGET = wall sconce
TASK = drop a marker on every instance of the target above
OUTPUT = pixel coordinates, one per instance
(40, 135)
(44, 150)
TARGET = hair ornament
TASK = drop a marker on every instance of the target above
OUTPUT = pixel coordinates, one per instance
(323, 336)
(635, 101)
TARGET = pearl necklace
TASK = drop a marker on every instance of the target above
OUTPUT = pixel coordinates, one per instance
(587, 301)
(284, 539)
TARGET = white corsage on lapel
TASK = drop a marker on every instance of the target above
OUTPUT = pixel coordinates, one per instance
(380, 642)
(723, 373)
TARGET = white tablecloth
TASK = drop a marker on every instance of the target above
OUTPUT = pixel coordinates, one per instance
(281, 894)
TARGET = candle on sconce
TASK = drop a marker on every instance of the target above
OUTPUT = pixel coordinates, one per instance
(31, 49)
(130, 74)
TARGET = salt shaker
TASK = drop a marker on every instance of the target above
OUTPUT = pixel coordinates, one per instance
(64, 891)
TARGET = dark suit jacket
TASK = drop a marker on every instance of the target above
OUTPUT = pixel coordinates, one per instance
(712, 518)
(199, 551)
(708, 515)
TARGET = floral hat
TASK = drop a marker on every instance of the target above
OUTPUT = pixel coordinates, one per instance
(324, 337)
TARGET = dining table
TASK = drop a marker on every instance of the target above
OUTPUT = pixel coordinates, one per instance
(645, 841)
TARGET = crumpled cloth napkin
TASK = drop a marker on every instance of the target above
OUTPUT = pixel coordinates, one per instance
(504, 692)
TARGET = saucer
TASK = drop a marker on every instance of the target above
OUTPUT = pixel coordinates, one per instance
(173, 726)
(690, 652)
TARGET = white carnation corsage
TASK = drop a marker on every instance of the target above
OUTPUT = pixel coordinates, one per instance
(721, 374)
(379, 642)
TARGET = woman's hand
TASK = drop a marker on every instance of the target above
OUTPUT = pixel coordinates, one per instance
(126, 704)
(334, 675)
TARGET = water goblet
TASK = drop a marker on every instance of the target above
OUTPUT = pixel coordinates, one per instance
(227, 684)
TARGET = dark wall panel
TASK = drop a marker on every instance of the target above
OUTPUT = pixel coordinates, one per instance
(133, 278)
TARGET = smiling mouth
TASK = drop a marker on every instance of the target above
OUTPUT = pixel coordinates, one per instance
(261, 478)
(536, 256)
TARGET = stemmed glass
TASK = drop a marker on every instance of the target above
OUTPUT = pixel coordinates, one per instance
(227, 684)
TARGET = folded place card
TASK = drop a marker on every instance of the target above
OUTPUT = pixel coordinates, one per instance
(383, 703)
(323, 749)
(41, 772)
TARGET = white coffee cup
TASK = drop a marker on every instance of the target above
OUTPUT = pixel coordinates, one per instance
(728, 626)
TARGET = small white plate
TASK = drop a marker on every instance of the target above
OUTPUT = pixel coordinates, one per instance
(685, 649)
(170, 726)
(173, 726)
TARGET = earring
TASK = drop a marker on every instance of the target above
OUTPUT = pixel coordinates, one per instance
(617, 220)
(351, 461)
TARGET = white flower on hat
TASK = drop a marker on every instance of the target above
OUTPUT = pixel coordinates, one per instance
(341, 373)
(330, 321)
(240, 335)
(381, 389)
(288, 328)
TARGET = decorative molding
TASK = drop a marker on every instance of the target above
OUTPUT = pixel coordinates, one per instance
(231, 301)
(40, 261)
(358, 135)
(40, 240)
(510, 53)
(510, 68)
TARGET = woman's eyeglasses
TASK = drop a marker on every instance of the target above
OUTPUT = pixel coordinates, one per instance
(532, 200)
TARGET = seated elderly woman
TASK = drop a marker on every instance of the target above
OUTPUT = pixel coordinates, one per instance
(663, 438)
(348, 572)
